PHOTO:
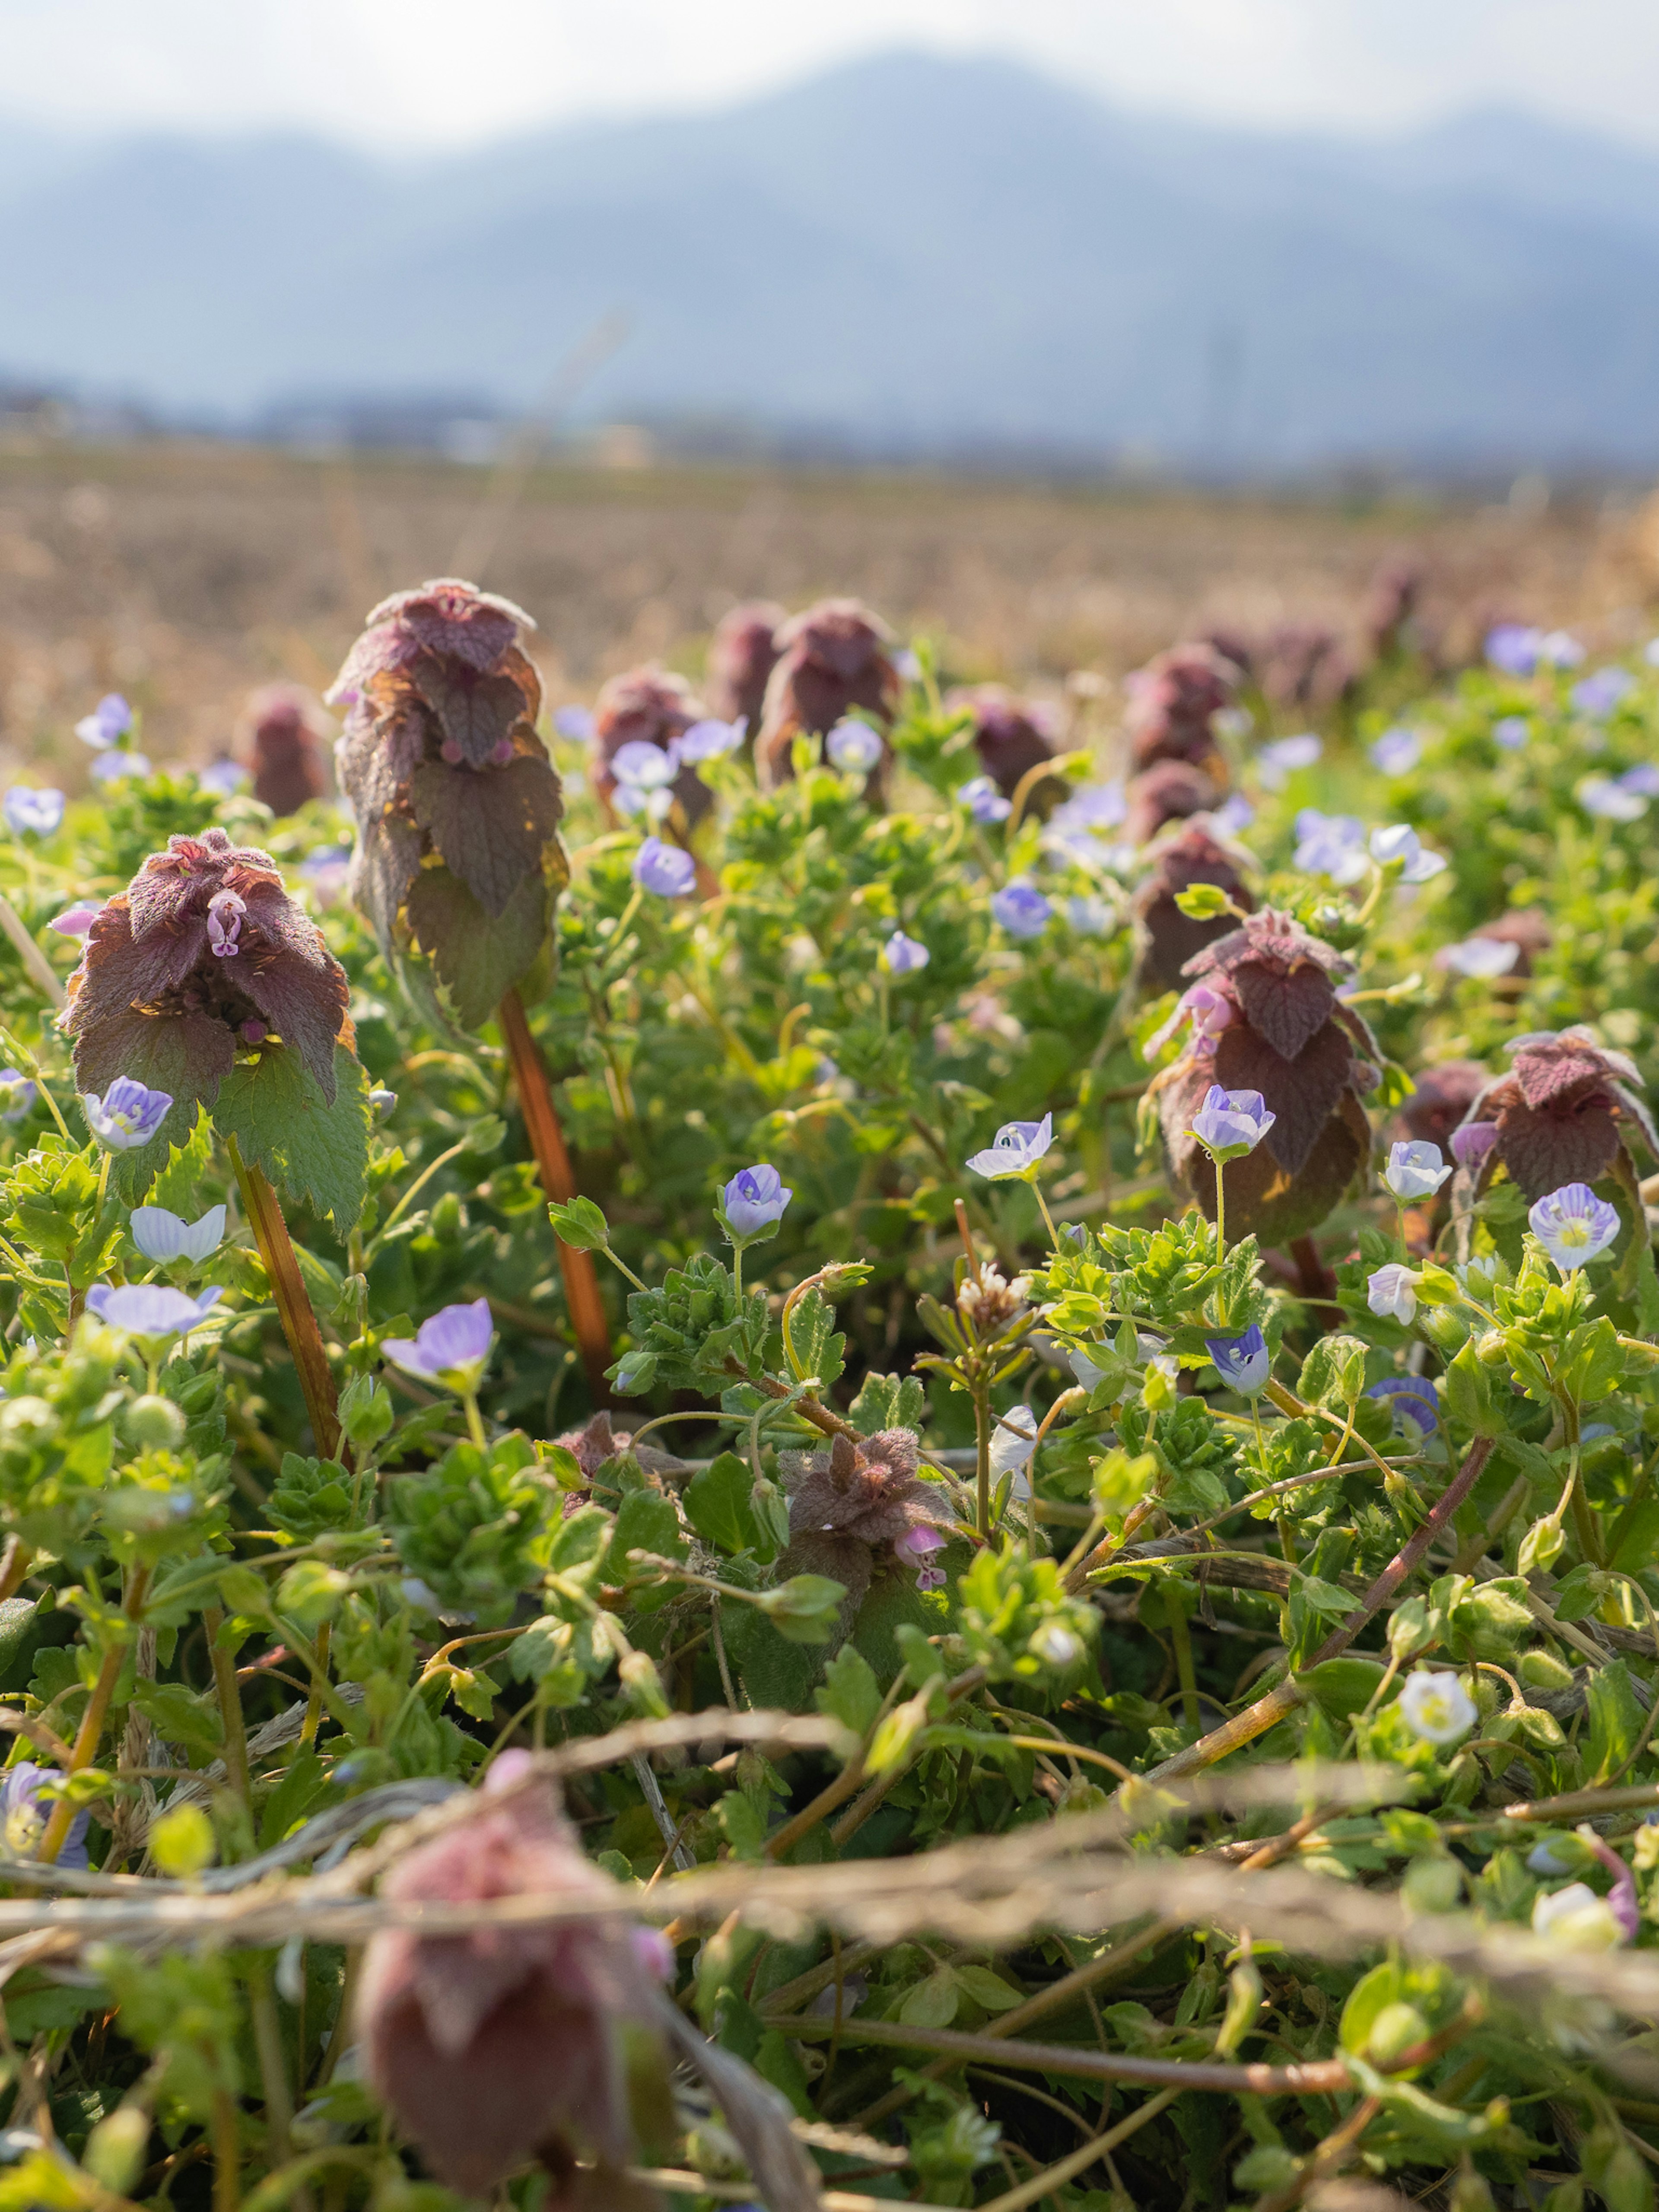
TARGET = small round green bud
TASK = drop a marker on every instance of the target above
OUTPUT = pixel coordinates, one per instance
(1396, 2029)
(1542, 1670)
(181, 1842)
(153, 1423)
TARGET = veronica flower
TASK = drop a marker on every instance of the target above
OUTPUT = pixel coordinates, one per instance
(114, 767)
(832, 661)
(1558, 648)
(904, 956)
(1331, 845)
(112, 718)
(753, 1202)
(1577, 1919)
(1013, 1440)
(19, 1093)
(1233, 815)
(1091, 810)
(159, 1235)
(223, 778)
(1472, 1141)
(34, 813)
(1016, 1150)
(1437, 1707)
(1598, 695)
(1243, 1363)
(1278, 761)
(75, 921)
(1415, 1171)
(984, 801)
(1090, 916)
(576, 723)
(1391, 1293)
(1231, 1123)
(853, 747)
(150, 1310)
(24, 1816)
(1513, 647)
(1642, 779)
(709, 739)
(1480, 958)
(382, 1101)
(1511, 731)
(665, 869)
(1609, 801)
(1401, 843)
(645, 780)
(1410, 1398)
(452, 1348)
(1397, 751)
(915, 1548)
(1573, 1225)
(1055, 1645)
(126, 1115)
(1021, 910)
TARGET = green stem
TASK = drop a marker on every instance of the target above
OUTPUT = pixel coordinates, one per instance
(982, 1462)
(1175, 1605)
(475, 1426)
(1220, 1211)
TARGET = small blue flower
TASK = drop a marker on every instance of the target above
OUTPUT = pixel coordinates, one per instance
(1017, 1147)
(645, 777)
(1243, 1363)
(1642, 779)
(33, 813)
(151, 1310)
(853, 747)
(1090, 916)
(224, 779)
(576, 723)
(1401, 843)
(19, 1093)
(24, 1816)
(1233, 815)
(904, 956)
(1598, 695)
(1397, 751)
(665, 869)
(1278, 761)
(1021, 910)
(1410, 1399)
(127, 1115)
(984, 801)
(112, 718)
(452, 1348)
(115, 765)
(381, 1103)
(1513, 648)
(1558, 649)
(1416, 1170)
(1511, 731)
(1573, 1225)
(160, 1234)
(1232, 1122)
(1331, 845)
(709, 740)
(752, 1203)
(1611, 801)
(1091, 810)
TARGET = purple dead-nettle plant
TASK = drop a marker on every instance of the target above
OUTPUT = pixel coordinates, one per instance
(856, 1504)
(75, 921)
(457, 803)
(203, 959)
(833, 660)
(1568, 1112)
(741, 655)
(648, 711)
(1011, 737)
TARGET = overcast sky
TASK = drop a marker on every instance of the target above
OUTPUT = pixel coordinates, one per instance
(414, 74)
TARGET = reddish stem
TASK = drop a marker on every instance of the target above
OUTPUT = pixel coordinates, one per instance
(305, 1339)
(582, 1284)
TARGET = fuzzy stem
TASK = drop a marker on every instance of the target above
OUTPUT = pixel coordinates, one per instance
(227, 2153)
(230, 1706)
(35, 963)
(582, 1282)
(305, 1339)
(84, 1749)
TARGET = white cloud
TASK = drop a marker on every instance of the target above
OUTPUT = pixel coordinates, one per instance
(425, 72)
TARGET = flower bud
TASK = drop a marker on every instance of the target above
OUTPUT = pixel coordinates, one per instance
(154, 1423)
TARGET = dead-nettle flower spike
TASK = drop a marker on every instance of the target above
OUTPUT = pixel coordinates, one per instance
(1565, 1111)
(834, 658)
(458, 806)
(848, 1503)
(507, 2044)
(1171, 700)
(1169, 791)
(1310, 1057)
(648, 706)
(1441, 1101)
(1192, 856)
(284, 733)
(1011, 737)
(741, 655)
(203, 955)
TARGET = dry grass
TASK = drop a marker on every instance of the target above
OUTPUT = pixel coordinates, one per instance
(184, 575)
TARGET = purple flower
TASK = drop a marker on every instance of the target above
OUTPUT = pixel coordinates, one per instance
(1401, 843)
(1642, 779)
(645, 777)
(1621, 1900)
(915, 1548)
(1233, 815)
(1209, 1011)
(1415, 1170)
(1480, 958)
(112, 718)
(1472, 1142)
(24, 1816)
(1391, 1293)
(1021, 910)
(1511, 731)
(1243, 1362)
(1017, 1147)
(1598, 695)
(19, 1093)
(224, 923)
(753, 1202)
(710, 739)
(576, 723)
(853, 747)
(1397, 751)
(159, 1235)
(224, 779)
(35, 813)
(903, 955)
(1609, 801)
(1573, 1225)
(665, 869)
(984, 801)
(152, 1310)
(75, 921)
(127, 1115)
(1410, 1398)
(1231, 1123)
(1331, 845)
(116, 766)
(1092, 809)
(1559, 649)
(452, 1348)
(1277, 762)
(1513, 648)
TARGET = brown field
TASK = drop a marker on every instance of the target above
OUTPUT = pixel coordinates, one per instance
(183, 575)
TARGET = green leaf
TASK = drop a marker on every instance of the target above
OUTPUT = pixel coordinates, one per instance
(717, 1504)
(579, 1224)
(181, 1717)
(478, 956)
(851, 1694)
(1616, 1718)
(1468, 1395)
(988, 1991)
(178, 1186)
(886, 1402)
(1334, 1372)
(818, 1345)
(315, 1154)
(646, 1521)
(932, 2003)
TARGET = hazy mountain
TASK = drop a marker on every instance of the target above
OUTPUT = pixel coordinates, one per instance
(909, 250)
